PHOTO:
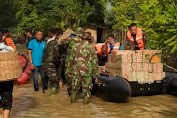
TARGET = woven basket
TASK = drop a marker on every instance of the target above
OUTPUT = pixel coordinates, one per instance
(10, 68)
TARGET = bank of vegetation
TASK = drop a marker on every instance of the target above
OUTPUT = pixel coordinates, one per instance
(157, 17)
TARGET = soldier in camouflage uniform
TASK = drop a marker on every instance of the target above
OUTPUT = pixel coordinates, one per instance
(70, 43)
(51, 62)
(83, 66)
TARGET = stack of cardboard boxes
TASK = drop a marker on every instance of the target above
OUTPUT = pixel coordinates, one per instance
(141, 65)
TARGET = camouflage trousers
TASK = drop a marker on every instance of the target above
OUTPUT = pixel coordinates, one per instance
(86, 82)
(51, 70)
(69, 86)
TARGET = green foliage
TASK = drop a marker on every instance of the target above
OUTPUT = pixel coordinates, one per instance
(42, 14)
(157, 17)
(97, 17)
(7, 13)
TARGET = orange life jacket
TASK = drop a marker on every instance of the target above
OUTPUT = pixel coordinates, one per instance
(9, 42)
(116, 46)
(98, 48)
(139, 38)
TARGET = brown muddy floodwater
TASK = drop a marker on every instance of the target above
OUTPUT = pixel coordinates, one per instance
(30, 104)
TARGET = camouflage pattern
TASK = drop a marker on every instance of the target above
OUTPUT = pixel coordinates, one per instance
(71, 43)
(86, 83)
(51, 61)
(82, 65)
(69, 83)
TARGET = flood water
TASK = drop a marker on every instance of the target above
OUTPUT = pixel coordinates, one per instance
(30, 104)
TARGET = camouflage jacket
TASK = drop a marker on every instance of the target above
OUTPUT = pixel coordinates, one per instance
(83, 61)
(51, 54)
(71, 43)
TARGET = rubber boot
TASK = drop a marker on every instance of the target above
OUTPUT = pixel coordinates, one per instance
(53, 91)
(73, 98)
(86, 100)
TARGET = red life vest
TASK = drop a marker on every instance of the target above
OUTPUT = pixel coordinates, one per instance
(139, 38)
(98, 48)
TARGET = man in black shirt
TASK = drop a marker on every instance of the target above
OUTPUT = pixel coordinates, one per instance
(29, 36)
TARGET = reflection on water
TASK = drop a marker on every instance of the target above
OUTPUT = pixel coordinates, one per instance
(30, 104)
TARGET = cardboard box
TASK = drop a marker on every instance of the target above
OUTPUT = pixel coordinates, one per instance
(124, 57)
(65, 36)
(101, 69)
(107, 67)
(146, 76)
(130, 57)
(163, 75)
(134, 57)
(129, 76)
(145, 67)
(114, 52)
(119, 59)
(129, 67)
(116, 59)
(107, 64)
(113, 59)
(139, 55)
(115, 65)
(139, 67)
(134, 76)
(158, 67)
(151, 76)
(134, 66)
(114, 74)
(124, 75)
(119, 71)
(124, 69)
(147, 54)
(150, 67)
(119, 52)
(110, 70)
(159, 76)
(139, 76)
(109, 57)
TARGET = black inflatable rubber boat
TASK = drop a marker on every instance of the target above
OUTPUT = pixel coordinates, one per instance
(115, 89)
(112, 89)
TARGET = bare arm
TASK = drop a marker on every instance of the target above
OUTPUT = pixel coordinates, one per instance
(29, 55)
(30, 59)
